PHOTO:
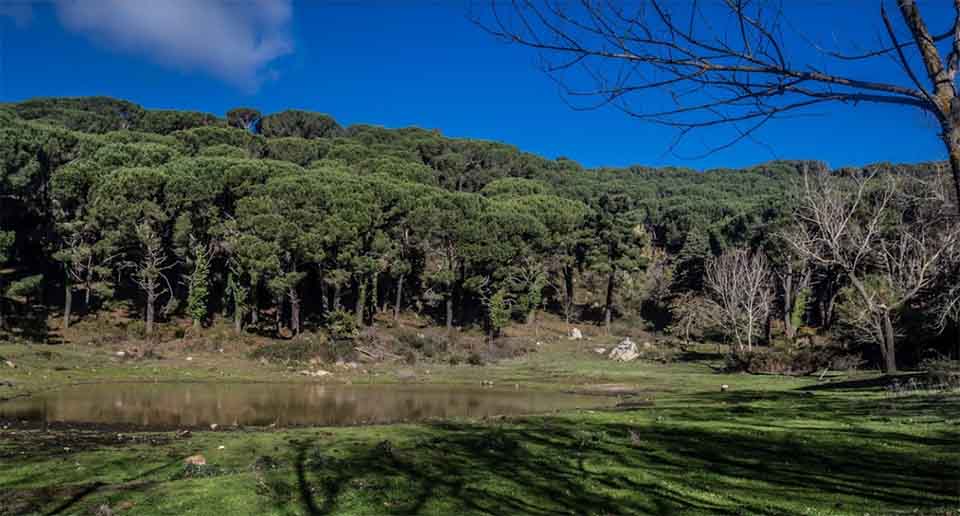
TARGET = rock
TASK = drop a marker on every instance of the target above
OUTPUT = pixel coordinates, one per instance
(539, 343)
(121, 354)
(183, 434)
(196, 460)
(724, 388)
(600, 351)
(103, 510)
(221, 447)
(6, 383)
(575, 334)
(189, 359)
(647, 345)
(625, 351)
(10, 364)
(214, 426)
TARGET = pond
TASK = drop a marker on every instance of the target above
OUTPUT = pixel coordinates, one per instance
(165, 406)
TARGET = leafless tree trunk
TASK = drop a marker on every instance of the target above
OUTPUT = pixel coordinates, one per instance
(703, 65)
(150, 270)
(739, 283)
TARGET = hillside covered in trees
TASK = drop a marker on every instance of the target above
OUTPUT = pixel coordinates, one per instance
(288, 222)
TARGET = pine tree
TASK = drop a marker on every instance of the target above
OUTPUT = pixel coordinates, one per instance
(691, 261)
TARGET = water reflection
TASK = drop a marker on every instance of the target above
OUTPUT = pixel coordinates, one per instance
(165, 406)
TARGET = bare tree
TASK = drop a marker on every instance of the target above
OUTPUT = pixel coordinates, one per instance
(739, 283)
(890, 237)
(692, 315)
(700, 65)
(149, 272)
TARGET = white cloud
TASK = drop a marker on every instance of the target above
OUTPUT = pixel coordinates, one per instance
(232, 40)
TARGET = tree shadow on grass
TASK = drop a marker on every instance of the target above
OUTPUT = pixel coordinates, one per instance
(547, 466)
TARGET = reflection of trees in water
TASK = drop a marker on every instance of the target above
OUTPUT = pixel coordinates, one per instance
(175, 405)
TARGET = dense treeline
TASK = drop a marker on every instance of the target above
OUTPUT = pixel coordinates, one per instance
(183, 214)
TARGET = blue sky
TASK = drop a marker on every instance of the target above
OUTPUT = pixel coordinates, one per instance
(404, 63)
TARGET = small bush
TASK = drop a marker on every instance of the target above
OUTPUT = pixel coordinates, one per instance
(288, 352)
(136, 329)
(429, 346)
(942, 371)
(198, 471)
(782, 361)
(475, 359)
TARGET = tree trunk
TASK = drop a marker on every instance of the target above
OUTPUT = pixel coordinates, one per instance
(150, 299)
(951, 139)
(568, 295)
(294, 311)
(788, 303)
(889, 350)
(608, 307)
(68, 302)
(531, 316)
(361, 301)
(86, 287)
(449, 312)
(323, 294)
(278, 315)
(769, 329)
(396, 306)
(829, 307)
(254, 312)
(336, 296)
(237, 318)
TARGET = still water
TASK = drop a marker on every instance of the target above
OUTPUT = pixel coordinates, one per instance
(180, 405)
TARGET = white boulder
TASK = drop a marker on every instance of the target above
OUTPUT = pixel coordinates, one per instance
(625, 351)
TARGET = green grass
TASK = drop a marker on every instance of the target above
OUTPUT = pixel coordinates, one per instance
(771, 445)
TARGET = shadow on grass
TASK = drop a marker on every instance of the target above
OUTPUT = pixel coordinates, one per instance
(870, 384)
(561, 466)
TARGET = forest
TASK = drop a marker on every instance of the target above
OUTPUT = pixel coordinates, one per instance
(289, 222)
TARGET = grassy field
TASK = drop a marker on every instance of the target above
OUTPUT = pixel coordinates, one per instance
(770, 445)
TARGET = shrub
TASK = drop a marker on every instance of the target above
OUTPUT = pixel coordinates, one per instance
(475, 359)
(782, 361)
(429, 346)
(287, 352)
(342, 327)
(942, 371)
